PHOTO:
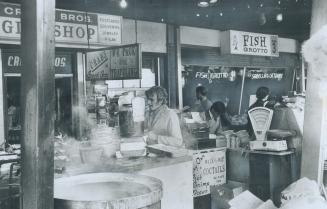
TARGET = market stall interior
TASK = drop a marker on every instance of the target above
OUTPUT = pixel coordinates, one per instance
(118, 107)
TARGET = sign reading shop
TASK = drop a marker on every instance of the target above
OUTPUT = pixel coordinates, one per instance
(257, 44)
(71, 27)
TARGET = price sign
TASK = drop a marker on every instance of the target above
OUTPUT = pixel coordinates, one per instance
(209, 169)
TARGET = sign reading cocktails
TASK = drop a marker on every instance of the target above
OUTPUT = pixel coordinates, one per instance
(116, 63)
(245, 43)
(72, 27)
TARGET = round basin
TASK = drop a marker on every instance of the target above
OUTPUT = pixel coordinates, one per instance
(107, 191)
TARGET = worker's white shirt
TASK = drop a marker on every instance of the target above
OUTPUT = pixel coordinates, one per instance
(164, 122)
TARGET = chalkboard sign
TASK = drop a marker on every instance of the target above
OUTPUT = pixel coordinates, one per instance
(117, 63)
(223, 83)
(209, 169)
(276, 73)
(278, 80)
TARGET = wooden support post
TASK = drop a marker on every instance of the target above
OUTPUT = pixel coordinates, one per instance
(172, 87)
(2, 108)
(38, 52)
(79, 106)
(313, 132)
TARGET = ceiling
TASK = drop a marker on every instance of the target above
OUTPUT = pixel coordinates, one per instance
(246, 15)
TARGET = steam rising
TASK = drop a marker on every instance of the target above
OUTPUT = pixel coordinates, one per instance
(315, 53)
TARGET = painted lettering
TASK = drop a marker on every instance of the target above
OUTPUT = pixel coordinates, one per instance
(80, 32)
(12, 11)
(14, 61)
(74, 17)
(7, 26)
(68, 31)
(254, 41)
(73, 32)
(60, 61)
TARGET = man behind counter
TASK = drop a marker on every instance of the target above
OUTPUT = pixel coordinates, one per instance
(162, 122)
(202, 103)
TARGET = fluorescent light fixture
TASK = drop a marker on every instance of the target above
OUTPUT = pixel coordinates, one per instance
(203, 3)
(123, 4)
(279, 17)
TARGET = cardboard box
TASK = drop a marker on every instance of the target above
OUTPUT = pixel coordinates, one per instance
(221, 195)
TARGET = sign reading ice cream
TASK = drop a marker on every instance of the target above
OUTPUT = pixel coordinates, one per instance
(72, 27)
(245, 43)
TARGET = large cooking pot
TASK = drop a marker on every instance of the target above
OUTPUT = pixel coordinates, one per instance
(107, 191)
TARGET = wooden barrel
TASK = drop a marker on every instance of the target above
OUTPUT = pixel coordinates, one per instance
(107, 191)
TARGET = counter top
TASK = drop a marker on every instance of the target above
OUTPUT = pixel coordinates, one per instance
(123, 165)
(280, 153)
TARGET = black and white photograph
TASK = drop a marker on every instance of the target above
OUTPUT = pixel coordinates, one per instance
(163, 104)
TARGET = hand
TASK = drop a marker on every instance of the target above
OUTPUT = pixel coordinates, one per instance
(152, 138)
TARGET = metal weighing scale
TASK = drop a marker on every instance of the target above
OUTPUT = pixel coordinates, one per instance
(267, 140)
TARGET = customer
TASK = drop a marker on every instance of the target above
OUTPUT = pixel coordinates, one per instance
(263, 100)
(217, 118)
(202, 104)
(162, 122)
(262, 95)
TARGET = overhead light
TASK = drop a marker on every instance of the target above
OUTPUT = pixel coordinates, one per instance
(198, 15)
(213, 1)
(123, 4)
(279, 17)
(203, 3)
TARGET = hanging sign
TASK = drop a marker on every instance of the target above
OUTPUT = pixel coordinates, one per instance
(271, 74)
(209, 169)
(12, 63)
(246, 43)
(118, 63)
(72, 27)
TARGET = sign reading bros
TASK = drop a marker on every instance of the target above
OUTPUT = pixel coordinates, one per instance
(71, 27)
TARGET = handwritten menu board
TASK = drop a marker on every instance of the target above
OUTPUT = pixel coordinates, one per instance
(209, 169)
(117, 63)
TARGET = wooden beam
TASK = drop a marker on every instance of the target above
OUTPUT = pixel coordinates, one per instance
(38, 52)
